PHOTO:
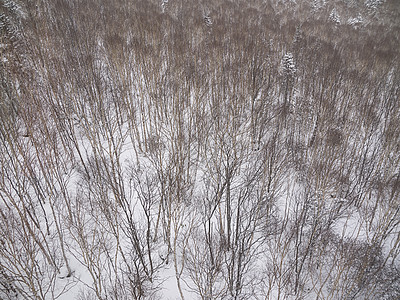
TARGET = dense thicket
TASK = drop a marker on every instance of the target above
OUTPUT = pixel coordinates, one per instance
(251, 147)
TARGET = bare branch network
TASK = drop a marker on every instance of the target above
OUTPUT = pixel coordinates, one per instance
(199, 149)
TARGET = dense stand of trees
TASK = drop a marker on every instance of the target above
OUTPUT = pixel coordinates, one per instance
(251, 146)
